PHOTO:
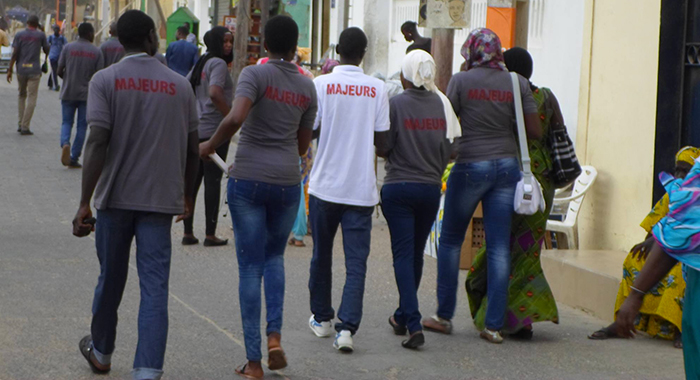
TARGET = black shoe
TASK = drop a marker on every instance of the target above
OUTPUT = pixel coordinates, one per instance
(25, 132)
(416, 340)
(189, 240)
(74, 164)
(398, 329)
(85, 347)
(214, 243)
(523, 334)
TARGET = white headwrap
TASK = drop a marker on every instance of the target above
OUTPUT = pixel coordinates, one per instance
(419, 68)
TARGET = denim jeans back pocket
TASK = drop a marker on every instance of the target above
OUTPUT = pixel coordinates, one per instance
(290, 195)
(509, 171)
(244, 190)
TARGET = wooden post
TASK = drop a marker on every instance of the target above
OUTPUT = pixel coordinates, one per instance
(240, 45)
(443, 50)
(68, 31)
(264, 16)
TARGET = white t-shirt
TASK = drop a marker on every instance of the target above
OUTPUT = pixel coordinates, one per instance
(351, 107)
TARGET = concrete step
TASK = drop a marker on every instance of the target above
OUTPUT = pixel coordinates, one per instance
(583, 279)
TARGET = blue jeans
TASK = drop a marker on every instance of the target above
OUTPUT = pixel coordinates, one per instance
(356, 222)
(69, 107)
(114, 233)
(492, 183)
(410, 210)
(262, 215)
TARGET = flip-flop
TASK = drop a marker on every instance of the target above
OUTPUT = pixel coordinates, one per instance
(276, 359)
(240, 371)
(602, 334)
(296, 243)
(85, 347)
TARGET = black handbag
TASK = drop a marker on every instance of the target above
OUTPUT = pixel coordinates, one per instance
(565, 165)
(45, 68)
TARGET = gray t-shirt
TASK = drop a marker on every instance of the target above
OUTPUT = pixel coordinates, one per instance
(29, 43)
(112, 51)
(283, 102)
(82, 60)
(419, 149)
(483, 100)
(150, 111)
(214, 73)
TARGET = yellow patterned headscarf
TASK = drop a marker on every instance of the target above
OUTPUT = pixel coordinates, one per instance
(688, 154)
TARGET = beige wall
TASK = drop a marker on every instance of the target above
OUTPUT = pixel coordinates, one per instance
(617, 116)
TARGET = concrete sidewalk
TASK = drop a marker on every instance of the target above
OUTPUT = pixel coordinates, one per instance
(47, 279)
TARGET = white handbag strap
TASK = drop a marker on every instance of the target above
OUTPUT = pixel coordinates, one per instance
(522, 135)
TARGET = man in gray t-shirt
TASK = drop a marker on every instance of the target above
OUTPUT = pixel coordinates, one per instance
(112, 49)
(26, 52)
(141, 162)
(78, 62)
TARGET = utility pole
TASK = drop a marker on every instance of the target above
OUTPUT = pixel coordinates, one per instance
(264, 16)
(240, 45)
(68, 30)
(442, 49)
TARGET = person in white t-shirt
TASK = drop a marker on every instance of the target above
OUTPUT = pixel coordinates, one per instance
(353, 116)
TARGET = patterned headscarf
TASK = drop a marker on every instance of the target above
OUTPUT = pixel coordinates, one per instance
(482, 49)
(688, 154)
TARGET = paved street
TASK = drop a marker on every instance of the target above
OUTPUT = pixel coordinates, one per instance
(47, 278)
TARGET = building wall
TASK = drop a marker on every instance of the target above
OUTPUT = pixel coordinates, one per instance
(617, 118)
(555, 41)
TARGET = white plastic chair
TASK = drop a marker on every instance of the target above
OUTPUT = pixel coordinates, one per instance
(568, 226)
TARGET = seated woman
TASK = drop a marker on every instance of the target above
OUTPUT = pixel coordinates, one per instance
(662, 310)
(677, 239)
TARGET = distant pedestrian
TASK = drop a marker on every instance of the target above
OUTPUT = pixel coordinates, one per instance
(181, 55)
(57, 42)
(141, 162)
(409, 29)
(417, 152)
(79, 61)
(213, 87)
(26, 53)
(353, 116)
(191, 37)
(276, 107)
(4, 39)
(112, 49)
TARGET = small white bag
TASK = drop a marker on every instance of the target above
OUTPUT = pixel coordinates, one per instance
(528, 193)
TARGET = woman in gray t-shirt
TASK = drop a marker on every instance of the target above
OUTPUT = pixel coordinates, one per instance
(276, 106)
(487, 171)
(213, 88)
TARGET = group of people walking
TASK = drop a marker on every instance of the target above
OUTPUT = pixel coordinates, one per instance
(153, 130)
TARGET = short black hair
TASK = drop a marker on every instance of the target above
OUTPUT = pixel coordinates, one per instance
(33, 20)
(85, 29)
(134, 28)
(409, 26)
(3, 24)
(352, 43)
(281, 34)
(183, 30)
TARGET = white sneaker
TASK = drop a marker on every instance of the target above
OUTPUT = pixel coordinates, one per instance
(321, 329)
(343, 341)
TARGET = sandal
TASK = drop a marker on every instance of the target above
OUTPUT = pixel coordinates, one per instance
(492, 336)
(276, 359)
(437, 324)
(85, 347)
(296, 243)
(398, 329)
(602, 334)
(240, 371)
